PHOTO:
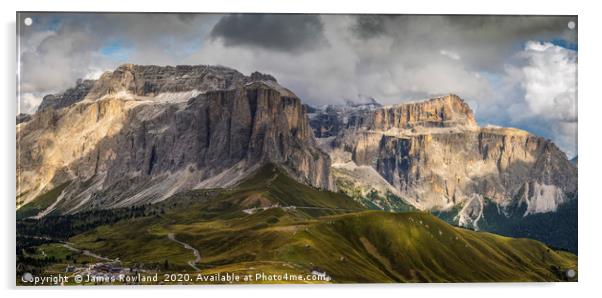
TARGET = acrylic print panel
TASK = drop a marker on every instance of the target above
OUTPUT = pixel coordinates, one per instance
(273, 148)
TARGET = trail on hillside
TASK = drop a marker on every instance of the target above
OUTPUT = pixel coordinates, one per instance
(197, 255)
(87, 252)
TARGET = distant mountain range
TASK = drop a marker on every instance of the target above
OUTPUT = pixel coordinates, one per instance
(143, 136)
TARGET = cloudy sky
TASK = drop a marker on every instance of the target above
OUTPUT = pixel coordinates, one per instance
(518, 71)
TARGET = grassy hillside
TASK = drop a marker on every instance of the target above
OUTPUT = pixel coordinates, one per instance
(275, 225)
(369, 246)
(271, 185)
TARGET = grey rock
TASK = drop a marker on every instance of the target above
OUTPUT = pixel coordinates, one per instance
(437, 157)
(22, 117)
(67, 98)
(139, 150)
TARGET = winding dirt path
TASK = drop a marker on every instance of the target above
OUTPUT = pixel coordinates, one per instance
(197, 255)
(87, 252)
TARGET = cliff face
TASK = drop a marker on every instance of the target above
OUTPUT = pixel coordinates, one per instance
(439, 170)
(140, 134)
(435, 157)
(143, 133)
(447, 111)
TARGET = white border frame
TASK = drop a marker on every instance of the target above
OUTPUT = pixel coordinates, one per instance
(590, 204)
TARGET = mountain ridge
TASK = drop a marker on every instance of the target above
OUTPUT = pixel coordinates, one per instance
(434, 156)
(140, 134)
(167, 142)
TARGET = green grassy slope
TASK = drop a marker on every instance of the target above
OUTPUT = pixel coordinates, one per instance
(347, 242)
(271, 185)
(421, 248)
(368, 246)
(202, 210)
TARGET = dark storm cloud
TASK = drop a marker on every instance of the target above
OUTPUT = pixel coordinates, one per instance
(368, 26)
(506, 28)
(59, 48)
(498, 27)
(485, 41)
(281, 32)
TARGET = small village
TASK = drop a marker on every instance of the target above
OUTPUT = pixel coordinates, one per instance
(102, 272)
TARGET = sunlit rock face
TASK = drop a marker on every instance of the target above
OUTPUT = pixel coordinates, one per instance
(446, 111)
(436, 157)
(140, 134)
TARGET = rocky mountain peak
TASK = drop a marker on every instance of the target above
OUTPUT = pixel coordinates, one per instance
(175, 128)
(433, 154)
(449, 111)
(443, 111)
(153, 80)
(68, 97)
(257, 76)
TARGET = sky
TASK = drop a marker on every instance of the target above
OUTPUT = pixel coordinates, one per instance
(517, 71)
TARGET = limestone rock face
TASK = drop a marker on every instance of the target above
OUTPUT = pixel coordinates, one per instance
(447, 111)
(140, 134)
(144, 133)
(436, 157)
(439, 170)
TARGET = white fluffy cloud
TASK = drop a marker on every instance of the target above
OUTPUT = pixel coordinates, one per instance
(383, 66)
(28, 102)
(540, 94)
(550, 86)
(550, 81)
(60, 48)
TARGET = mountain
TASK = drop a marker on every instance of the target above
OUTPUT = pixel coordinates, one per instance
(179, 169)
(22, 117)
(432, 155)
(273, 224)
(140, 134)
